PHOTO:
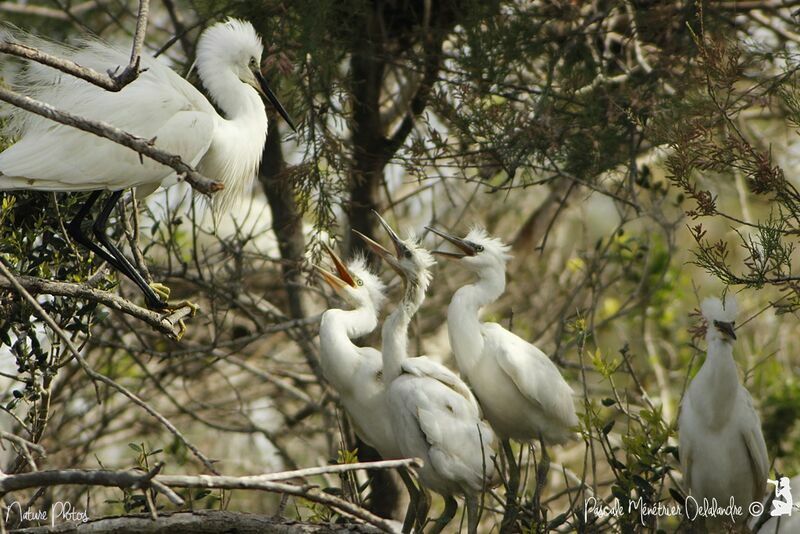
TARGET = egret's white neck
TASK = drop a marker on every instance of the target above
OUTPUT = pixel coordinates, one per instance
(718, 379)
(394, 334)
(463, 314)
(339, 355)
(237, 100)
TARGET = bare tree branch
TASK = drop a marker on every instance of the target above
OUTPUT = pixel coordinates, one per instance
(102, 129)
(168, 325)
(131, 72)
(119, 479)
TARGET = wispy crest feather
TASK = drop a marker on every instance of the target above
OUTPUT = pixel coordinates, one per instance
(479, 235)
(713, 309)
(372, 282)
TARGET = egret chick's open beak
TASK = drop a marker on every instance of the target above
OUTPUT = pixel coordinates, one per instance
(466, 247)
(399, 247)
(384, 254)
(338, 281)
(331, 279)
(726, 329)
(263, 89)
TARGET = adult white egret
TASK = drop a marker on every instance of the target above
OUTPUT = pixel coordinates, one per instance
(356, 373)
(521, 391)
(158, 105)
(722, 450)
(436, 417)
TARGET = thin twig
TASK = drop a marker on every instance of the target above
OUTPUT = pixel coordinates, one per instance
(98, 377)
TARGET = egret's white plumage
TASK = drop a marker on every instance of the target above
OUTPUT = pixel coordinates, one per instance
(158, 105)
(356, 372)
(521, 391)
(722, 449)
(435, 414)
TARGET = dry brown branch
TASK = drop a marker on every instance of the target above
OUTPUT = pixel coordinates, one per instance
(131, 72)
(245, 481)
(102, 129)
(308, 492)
(165, 324)
(64, 65)
(111, 81)
(119, 479)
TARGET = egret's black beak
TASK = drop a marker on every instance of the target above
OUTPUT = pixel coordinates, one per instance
(465, 246)
(726, 329)
(384, 254)
(399, 247)
(267, 93)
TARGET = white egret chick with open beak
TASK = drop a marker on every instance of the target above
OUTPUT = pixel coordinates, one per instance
(158, 105)
(356, 373)
(435, 415)
(722, 450)
(520, 389)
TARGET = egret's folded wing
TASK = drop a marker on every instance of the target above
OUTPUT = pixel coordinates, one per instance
(67, 159)
(684, 441)
(423, 366)
(754, 441)
(460, 443)
(537, 378)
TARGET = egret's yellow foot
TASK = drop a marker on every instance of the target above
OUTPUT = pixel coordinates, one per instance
(160, 289)
(173, 308)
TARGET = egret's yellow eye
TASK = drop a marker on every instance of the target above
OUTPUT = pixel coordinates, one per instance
(359, 282)
(479, 248)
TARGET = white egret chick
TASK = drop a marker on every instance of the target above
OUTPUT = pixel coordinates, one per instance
(521, 391)
(158, 105)
(356, 373)
(722, 450)
(436, 417)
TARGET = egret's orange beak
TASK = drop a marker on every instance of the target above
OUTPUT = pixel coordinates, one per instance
(337, 281)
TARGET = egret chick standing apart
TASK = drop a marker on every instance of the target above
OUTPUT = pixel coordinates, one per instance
(158, 105)
(436, 417)
(520, 389)
(356, 372)
(722, 450)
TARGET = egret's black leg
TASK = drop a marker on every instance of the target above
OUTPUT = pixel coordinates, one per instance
(413, 502)
(122, 263)
(450, 509)
(75, 230)
(510, 514)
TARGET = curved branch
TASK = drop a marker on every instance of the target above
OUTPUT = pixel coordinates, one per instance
(101, 129)
(168, 325)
